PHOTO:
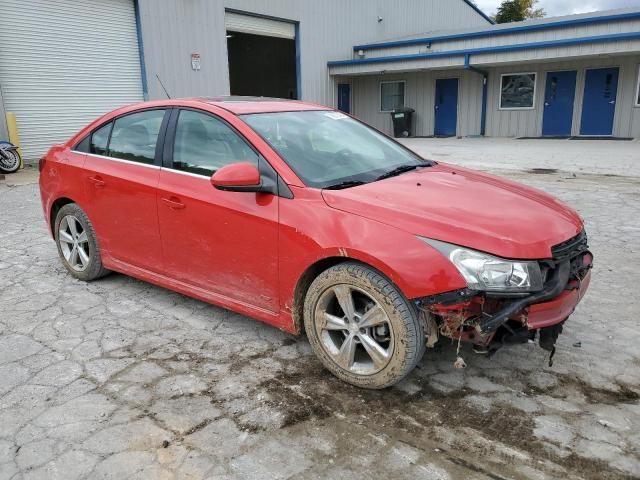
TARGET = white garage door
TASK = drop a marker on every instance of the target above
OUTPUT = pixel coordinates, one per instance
(236, 22)
(65, 62)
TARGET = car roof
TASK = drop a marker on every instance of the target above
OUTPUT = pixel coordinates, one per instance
(244, 105)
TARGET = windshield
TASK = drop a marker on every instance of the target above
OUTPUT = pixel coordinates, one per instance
(329, 149)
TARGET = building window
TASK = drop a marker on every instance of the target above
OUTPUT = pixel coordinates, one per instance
(638, 89)
(517, 91)
(391, 95)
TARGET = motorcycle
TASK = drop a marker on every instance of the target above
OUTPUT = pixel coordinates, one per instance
(9, 157)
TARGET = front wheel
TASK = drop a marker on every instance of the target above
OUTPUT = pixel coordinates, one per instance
(361, 326)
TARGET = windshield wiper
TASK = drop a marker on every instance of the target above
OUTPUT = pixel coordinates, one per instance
(399, 170)
(342, 185)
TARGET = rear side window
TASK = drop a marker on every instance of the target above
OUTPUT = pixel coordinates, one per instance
(99, 140)
(134, 136)
(203, 144)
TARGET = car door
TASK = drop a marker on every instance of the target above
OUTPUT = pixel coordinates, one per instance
(224, 242)
(121, 180)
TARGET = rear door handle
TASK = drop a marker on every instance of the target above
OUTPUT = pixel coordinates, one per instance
(174, 203)
(97, 181)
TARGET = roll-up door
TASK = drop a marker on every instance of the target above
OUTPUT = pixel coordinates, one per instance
(65, 62)
(267, 27)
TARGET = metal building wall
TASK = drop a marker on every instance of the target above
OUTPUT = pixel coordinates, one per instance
(173, 29)
(528, 123)
(419, 95)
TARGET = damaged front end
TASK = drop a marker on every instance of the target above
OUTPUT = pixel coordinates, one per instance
(490, 320)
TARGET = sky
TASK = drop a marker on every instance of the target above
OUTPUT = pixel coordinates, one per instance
(565, 7)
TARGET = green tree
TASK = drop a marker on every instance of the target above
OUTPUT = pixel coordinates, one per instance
(518, 10)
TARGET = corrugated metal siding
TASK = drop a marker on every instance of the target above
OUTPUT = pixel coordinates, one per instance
(420, 95)
(63, 63)
(328, 29)
(516, 123)
(171, 32)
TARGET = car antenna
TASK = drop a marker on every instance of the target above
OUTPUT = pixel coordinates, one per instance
(162, 85)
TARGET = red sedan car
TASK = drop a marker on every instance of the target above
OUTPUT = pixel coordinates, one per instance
(305, 218)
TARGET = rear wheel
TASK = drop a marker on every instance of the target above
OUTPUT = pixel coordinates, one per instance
(361, 327)
(77, 243)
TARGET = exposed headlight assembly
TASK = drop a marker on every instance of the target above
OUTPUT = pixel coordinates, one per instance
(488, 273)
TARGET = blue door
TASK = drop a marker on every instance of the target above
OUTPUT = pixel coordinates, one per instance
(344, 97)
(446, 106)
(559, 96)
(599, 104)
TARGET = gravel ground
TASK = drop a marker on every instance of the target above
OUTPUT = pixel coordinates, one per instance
(121, 379)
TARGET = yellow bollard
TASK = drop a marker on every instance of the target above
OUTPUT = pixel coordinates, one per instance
(14, 136)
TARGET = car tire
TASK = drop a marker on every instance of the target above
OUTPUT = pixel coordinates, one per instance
(77, 243)
(379, 313)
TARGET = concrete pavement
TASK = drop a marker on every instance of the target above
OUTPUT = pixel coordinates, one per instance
(120, 379)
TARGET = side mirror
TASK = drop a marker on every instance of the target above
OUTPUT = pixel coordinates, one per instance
(238, 177)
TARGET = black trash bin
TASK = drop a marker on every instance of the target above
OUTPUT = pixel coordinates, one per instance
(402, 119)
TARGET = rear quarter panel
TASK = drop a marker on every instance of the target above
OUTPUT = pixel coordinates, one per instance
(61, 178)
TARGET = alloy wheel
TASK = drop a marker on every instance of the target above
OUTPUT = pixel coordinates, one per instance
(74, 243)
(354, 330)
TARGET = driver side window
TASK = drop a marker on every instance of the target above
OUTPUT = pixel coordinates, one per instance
(204, 144)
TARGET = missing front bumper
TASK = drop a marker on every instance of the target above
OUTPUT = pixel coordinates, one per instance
(487, 321)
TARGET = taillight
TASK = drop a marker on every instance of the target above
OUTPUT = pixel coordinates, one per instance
(41, 163)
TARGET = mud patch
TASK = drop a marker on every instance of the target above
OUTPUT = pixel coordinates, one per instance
(479, 441)
(593, 395)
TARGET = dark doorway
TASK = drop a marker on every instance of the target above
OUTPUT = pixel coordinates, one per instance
(262, 66)
(344, 97)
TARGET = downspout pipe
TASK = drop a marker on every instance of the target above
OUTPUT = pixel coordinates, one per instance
(485, 91)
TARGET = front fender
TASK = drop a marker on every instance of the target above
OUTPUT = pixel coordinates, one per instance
(311, 231)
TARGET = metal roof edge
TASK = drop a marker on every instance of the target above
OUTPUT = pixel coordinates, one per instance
(502, 31)
(496, 49)
(479, 11)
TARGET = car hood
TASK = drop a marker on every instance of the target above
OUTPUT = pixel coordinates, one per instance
(464, 207)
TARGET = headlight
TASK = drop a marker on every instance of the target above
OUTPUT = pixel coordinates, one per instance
(488, 273)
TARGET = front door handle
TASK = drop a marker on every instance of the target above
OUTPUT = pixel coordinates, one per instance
(174, 203)
(612, 102)
(97, 181)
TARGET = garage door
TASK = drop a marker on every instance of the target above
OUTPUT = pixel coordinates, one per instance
(236, 22)
(65, 62)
